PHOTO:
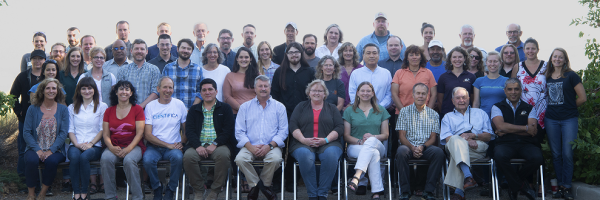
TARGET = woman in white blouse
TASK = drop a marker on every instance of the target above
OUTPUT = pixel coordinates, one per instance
(333, 41)
(85, 131)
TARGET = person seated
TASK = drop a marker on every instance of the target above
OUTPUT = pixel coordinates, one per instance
(123, 130)
(165, 117)
(315, 125)
(45, 130)
(516, 126)
(210, 136)
(418, 126)
(465, 131)
(261, 127)
(371, 126)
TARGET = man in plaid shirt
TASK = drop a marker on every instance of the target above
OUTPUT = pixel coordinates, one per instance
(186, 74)
(418, 126)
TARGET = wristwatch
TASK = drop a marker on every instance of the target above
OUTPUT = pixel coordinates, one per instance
(270, 145)
(215, 143)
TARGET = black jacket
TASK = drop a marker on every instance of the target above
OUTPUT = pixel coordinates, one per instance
(224, 125)
(20, 89)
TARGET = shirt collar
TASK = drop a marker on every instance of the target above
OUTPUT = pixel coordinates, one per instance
(466, 111)
(373, 34)
(511, 105)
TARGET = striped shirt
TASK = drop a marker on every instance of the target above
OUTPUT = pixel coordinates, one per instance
(208, 133)
(144, 79)
(186, 81)
(259, 125)
(271, 71)
(418, 125)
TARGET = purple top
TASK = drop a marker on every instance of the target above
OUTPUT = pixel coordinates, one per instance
(346, 79)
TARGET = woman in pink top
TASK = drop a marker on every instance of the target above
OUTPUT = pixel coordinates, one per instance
(238, 86)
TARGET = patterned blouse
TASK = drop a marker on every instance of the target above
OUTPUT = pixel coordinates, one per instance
(534, 88)
(46, 132)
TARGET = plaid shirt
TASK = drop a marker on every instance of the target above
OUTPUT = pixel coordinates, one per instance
(144, 79)
(271, 71)
(418, 125)
(208, 133)
(187, 81)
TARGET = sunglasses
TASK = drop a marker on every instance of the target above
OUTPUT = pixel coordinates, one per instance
(119, 48)
(51, 61)
(476, 57)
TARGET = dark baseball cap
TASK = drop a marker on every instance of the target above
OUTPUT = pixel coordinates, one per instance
(38, 53)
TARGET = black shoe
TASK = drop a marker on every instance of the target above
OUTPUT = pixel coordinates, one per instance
(289, 188)
(428, 196)
(168, 194)
(361, 190)
(253, 194)
(513, 195)
(276, 187)
(313, 198)
(527, 191)
(269, 194)
(158, 193)
(334, 191)
(66, 187)
(559, 194)
(568, 194)
(321, 198)
(49, 192)
(486, 192)
(405, 196)
(146, 188)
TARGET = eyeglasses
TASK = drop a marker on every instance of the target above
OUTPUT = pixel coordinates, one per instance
(58, 51)
(317, 91)
(508, 53)
(476, 57)
(225, 38)
(119, 48)
(512, 32)
(98, 57)
(293, 52)
(50, 61)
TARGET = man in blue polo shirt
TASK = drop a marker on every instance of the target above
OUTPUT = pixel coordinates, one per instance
(154, 50)
(513, 31)
(394, 62)
(436, 64)
(379, 37)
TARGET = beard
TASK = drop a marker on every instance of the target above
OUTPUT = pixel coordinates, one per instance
(309, 51)
(184, 57)
(248, 41)
(436, 58)
(468, 43)
(294, 62)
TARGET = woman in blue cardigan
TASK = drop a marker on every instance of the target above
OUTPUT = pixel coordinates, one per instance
(45, 130)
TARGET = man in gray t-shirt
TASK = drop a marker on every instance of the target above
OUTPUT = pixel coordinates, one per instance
(309, 42)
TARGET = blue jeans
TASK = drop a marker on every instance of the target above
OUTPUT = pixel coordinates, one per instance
(32, 161)
(154, 154)
(560, 135)
(329, 163)
(21, 148)
(79, 167)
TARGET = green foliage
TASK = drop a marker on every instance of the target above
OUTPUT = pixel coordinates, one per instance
(7, 102)
(1, 4)
(587, 146)
(10, 177)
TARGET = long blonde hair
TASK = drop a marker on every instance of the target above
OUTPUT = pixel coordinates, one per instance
(374, 103)
(261, 71)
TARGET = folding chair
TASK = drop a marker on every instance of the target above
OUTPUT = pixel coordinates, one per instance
(420, 162)
(352, 161)
(482, 162)
(258, 164)
(317, 162)
(207, 163)
(517, 162)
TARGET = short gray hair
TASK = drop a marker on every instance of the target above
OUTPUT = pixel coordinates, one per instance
(518, 26)
(262, 78)
(456, 89)
(467, 26)
(420, 84)
(317, 82)
(163, 78)
(511, 81)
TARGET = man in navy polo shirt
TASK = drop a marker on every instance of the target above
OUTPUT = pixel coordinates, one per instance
(513, 32)
(165, 55)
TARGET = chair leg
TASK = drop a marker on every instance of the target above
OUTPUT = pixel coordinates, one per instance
(389, 166)
(399, 187)
(282, 175)
(127, 192)
(339, 176)
(238, 183)
(295, 180)
(183, 188)
(542, 180)
(495, 189)
(346, 179)
(443, 188)
(40, 175)
(226, 186)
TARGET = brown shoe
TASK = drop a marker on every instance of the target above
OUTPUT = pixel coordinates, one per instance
(457, 197)
(29, 197)
(469, 183)
(41, 196)
(269, 193)
(253, 194)
(212, 195)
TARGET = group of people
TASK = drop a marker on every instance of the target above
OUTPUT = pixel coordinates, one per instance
(190, 102)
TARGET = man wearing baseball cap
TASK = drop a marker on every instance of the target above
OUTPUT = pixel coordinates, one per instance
(436, 63)
(290, 31)
(378, 37)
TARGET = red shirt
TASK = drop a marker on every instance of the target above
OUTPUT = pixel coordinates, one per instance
(122, 131)
(316, 114)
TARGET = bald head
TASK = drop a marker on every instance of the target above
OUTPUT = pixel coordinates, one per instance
(119, 50)
(513, 32)
(200, 31)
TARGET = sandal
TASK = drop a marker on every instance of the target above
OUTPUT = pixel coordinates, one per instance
(93, 189)
(245, 188)
(353, 185)
(379, 194)
(101, 188)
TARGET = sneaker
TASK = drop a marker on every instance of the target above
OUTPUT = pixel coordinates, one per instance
(405, 196)
(568, 194)
(66, 187)
(158, 193)
(559, 193)
(168, 194)
(147, 188)
(49, 192)
(428, 196)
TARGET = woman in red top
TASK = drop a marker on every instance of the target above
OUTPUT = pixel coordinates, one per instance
(123, 129)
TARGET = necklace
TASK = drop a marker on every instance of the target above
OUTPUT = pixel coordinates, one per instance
(412, 70)
(47, 107)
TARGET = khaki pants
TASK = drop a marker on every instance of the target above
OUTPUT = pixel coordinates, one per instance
(191, 165)
(272, 161)
(459, 151)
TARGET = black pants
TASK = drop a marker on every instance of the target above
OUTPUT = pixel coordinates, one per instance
(505, 151)
(436, 157)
